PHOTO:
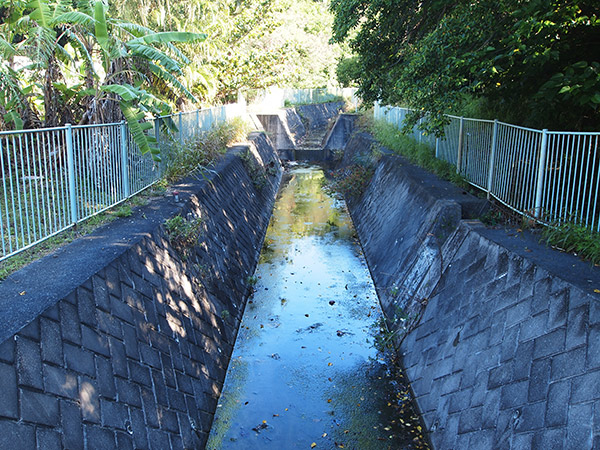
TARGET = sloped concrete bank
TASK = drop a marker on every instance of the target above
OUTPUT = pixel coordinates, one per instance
(506, 353)
(289, 126)
(122, 339)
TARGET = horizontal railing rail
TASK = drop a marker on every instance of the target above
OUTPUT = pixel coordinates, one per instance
(548, 176)
(54, 178)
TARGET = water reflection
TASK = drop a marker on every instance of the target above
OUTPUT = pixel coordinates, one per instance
(303, 370)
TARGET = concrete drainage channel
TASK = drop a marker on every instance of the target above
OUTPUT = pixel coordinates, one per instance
(121, 341)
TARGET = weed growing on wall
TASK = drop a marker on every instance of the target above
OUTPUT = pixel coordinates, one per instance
(258, 174)
(352, 181)
(183, 233)
(402, 399)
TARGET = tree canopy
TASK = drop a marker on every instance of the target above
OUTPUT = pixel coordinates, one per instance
(251, 44)
(93, 61)
(531, 62)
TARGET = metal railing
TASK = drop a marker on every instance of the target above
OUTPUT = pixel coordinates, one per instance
(549, 176)
(273, 98)
(54, 178)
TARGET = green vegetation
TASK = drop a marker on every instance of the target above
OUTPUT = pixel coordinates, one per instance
(66, 62)
(348, 71)
(533, 63)
(420, 154)
(123, 211)
(204, 149)
(353, 180)
(251, 44)
(258, 173)
(573, 238)
(326, 98)
(183, 233)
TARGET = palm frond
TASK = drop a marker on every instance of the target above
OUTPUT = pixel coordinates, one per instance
(153, 54)
(133, 29)
(164, 75)
(82, 48)
(169, 37)
(75, 18)
(40, 12)
(146, 143)
(6, 48)
(100, 28)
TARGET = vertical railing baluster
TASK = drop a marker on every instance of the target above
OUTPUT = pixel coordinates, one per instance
(460, 145)
(492, 159)
(540, 176)
(124, 160)
(71, 174)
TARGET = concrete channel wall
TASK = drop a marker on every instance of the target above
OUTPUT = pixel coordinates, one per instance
(287, 127)
(506, 353)
(122, 339)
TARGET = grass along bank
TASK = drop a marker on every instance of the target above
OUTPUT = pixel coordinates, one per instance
(567, 237)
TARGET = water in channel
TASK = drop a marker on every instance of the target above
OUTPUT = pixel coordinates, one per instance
(304, 372)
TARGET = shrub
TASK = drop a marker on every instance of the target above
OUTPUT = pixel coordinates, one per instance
(204, 149)
(352, 181)
(182, 232)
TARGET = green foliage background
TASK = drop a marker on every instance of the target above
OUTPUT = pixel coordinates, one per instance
(534, 63)
(94, 61)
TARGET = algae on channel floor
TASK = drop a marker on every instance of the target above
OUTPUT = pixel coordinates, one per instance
(304, 373)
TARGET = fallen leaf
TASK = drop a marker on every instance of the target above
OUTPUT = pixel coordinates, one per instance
(328, 400)
(330, 364)
(324, 435)
(597, 291)
(313, 445)
(22, 293)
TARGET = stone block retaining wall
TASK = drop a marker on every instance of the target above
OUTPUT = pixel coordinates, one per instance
(506, 355)
(122, 339)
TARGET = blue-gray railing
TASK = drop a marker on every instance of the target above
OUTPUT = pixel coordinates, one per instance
(53, 178)
(549, 176)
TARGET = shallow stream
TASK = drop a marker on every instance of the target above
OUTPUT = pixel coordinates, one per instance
(304, 372)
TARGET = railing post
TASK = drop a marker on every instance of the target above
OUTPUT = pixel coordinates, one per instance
(180, 129)
(71, 174)
(492, 158)
(124, 160)
(540, 175)
(460, 146)
(437, 148)
(157, 130)
(197, 120)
